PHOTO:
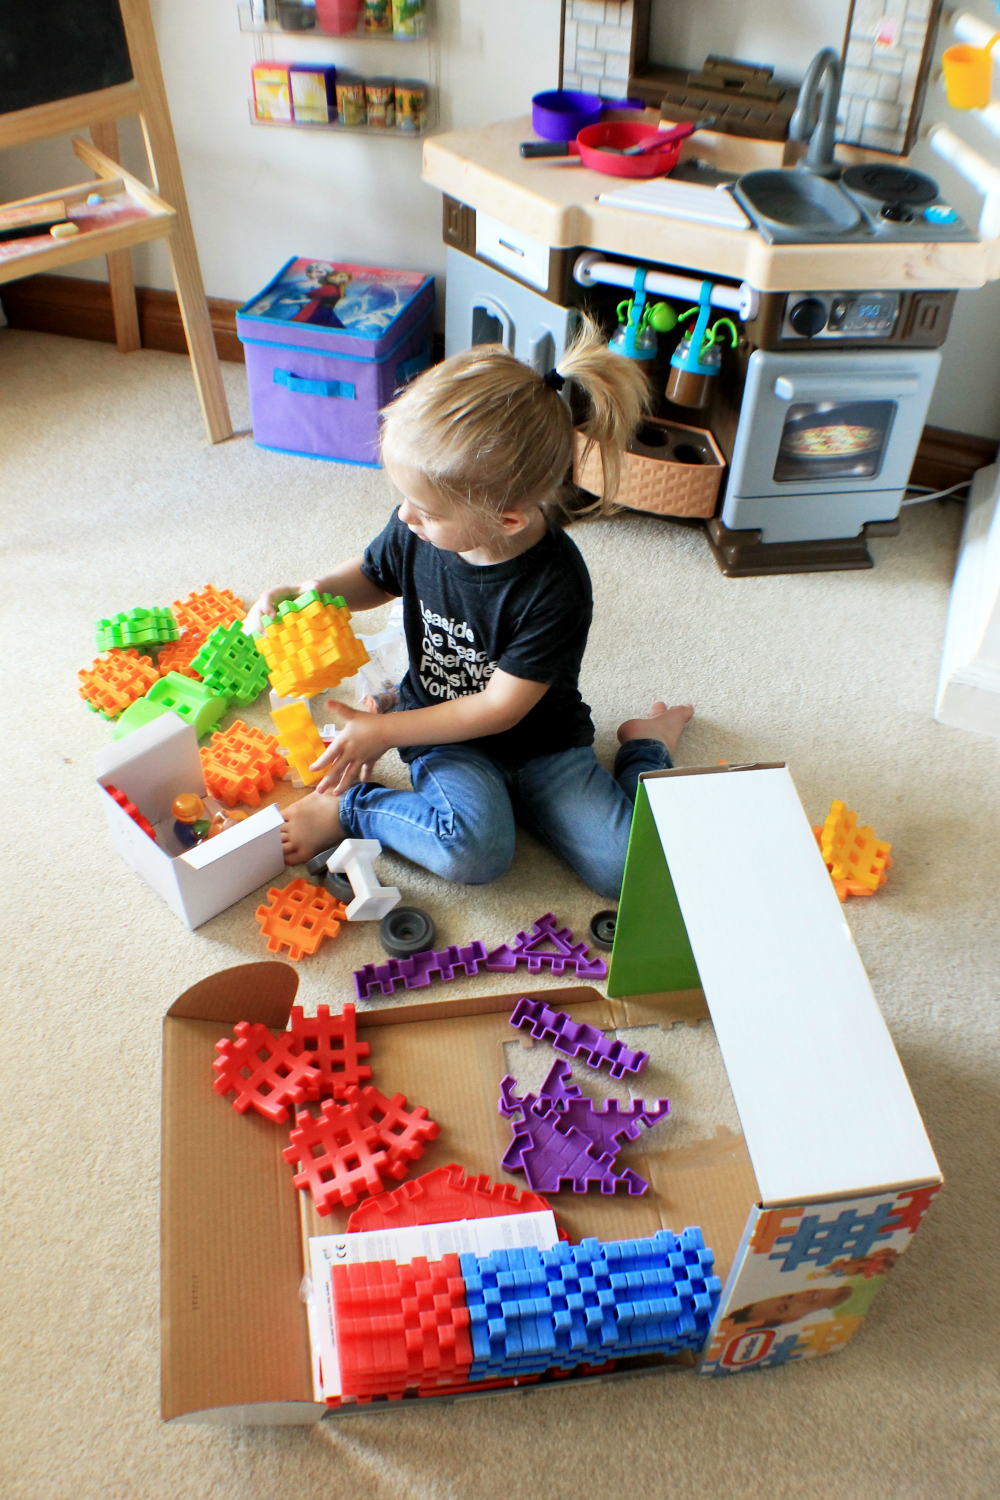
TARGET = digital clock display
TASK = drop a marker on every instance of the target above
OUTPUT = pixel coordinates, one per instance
(873, 315)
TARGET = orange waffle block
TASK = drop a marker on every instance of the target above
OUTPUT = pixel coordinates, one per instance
(178, 655)
(240, 763)
(299, 918)
(309, 646)
(116, 680)
(856, 859)
(299, 738)
(209, 608)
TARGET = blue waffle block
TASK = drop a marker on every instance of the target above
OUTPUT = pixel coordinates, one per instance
(534, 1310)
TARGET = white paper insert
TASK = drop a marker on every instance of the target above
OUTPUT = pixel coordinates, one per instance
(458, 1237)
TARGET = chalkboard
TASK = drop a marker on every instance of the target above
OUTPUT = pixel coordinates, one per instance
(56, 49)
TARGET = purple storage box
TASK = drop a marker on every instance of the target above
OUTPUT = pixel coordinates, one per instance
(327, 346)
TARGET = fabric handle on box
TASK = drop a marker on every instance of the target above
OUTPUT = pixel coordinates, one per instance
(299, 387)
(414, 364)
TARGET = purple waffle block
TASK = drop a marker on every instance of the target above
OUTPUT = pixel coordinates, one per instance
(567, 955)
(576, 1039)
(606, 1126)
(418, 970)
(553, 1155)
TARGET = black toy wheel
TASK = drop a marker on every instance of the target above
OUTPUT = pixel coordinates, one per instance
(406, 930)
(317, 865)
(340, 887)
(602, 929)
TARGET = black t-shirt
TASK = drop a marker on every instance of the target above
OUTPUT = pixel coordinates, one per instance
(529, 616)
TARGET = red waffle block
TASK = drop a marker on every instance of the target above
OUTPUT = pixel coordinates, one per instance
(401, 1327)
(339, 1155)
(132, 811)
(240, 763)
(178, 655)
(204, 611)
(266, 1071)
(332, 1046)
(116, 680)
(401, 1133)
(442, 1196)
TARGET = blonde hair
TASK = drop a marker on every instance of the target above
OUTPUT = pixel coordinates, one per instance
(486, 430)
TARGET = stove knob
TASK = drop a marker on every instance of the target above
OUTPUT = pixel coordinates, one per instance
(808, 317)
(896, 213)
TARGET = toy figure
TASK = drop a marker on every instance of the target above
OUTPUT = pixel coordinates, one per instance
(191, 825)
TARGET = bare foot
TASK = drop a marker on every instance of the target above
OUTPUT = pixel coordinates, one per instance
(311, 824)
(663, 723)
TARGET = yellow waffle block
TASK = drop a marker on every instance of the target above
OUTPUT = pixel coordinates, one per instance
(310, 646)
(299, 739)
(851, 853)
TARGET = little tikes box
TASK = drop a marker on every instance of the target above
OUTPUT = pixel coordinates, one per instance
(807, 1210)
(327, 347)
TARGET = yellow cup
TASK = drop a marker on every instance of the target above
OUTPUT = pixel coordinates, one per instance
(968, 75)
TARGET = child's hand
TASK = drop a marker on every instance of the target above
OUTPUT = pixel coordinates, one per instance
(268, 603)
(353, 751)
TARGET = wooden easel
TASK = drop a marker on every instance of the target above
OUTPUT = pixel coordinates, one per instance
(143, 95)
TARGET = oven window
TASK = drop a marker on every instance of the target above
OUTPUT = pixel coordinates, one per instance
(833, 440)
(486, 329)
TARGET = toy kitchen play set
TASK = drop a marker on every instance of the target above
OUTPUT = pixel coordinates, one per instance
(790, 302)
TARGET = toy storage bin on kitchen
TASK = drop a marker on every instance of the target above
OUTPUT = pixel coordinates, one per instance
(327, 346)
(669, 469)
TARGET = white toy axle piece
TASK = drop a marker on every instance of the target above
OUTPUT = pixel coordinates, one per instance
(355, 859)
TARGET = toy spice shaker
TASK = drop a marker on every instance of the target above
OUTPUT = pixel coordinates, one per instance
(352, 106)
(409, 19)
(411, 105)
(380, 94)
(378, 17)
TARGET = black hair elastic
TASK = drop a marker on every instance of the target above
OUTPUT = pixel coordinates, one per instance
(554, 379)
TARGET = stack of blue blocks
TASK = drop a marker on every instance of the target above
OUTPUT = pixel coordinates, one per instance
(534, 1310)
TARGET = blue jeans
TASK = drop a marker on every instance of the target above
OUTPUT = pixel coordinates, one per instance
(459, 819)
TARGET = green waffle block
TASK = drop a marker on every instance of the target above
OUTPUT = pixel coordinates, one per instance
(230, 664)
(138, 627)
(292, 606)
(142, 711)
(193, 701)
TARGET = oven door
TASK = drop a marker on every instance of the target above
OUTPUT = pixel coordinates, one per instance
(826, 441)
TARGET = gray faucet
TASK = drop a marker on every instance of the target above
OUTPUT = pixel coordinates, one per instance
(819, 158)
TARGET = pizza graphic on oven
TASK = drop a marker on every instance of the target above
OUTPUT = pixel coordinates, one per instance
(839, 440)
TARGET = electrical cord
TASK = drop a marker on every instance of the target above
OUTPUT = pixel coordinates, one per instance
(925, 494)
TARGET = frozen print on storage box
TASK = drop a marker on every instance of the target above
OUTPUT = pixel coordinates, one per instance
(364, 300)
(804, 1277)
(327, 346)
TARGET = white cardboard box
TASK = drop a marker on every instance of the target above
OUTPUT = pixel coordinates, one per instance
(968, 694)
(152, 766)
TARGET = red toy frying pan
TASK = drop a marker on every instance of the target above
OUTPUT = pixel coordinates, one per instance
(603, 148)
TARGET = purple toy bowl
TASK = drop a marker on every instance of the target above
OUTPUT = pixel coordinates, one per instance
(561, 114)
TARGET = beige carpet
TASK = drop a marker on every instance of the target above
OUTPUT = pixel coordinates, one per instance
(111, 498)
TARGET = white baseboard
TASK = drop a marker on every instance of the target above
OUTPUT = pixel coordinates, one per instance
(969, 686)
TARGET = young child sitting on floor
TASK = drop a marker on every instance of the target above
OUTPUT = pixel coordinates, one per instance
(497, 607)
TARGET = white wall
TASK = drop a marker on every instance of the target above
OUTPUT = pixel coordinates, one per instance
(258, 196)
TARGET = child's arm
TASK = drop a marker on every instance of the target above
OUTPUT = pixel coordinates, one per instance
(347, 579)
(502, 704)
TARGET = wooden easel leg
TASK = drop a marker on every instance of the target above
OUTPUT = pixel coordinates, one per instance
(166, 168)
(105, 138)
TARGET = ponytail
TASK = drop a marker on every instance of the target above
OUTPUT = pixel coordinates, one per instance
(617, 394)
(489, 432)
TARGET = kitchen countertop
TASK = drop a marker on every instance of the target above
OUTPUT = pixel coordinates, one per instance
(555, 201)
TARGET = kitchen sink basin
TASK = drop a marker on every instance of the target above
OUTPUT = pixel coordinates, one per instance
(790, 205)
